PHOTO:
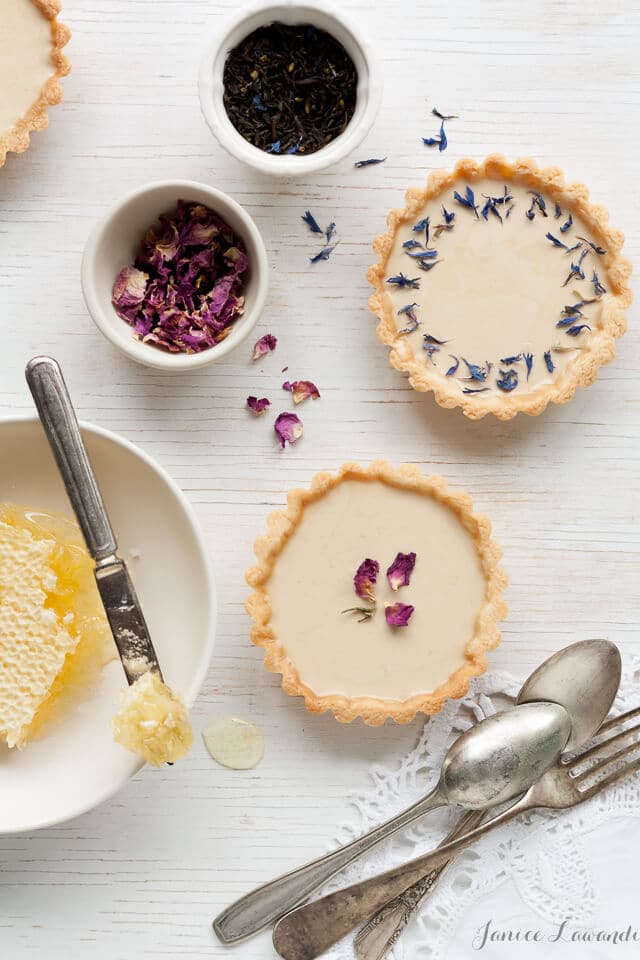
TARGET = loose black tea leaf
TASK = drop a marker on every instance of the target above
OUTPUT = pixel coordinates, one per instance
(290, 89)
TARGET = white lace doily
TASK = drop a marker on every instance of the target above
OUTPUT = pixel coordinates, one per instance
(535, 873)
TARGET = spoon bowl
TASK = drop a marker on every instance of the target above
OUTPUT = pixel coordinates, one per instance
(583, 678)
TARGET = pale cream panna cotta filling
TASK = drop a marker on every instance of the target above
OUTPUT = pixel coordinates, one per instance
(25, 59)
(312, 582)
(496, 290)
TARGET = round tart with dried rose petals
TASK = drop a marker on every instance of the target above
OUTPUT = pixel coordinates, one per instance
(377, 593)
(31, 64)
(500, 287)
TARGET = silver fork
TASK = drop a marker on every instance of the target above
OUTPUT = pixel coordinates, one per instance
(384, 928)
(307, 932)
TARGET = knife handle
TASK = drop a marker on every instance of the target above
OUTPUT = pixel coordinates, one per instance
(53, 402)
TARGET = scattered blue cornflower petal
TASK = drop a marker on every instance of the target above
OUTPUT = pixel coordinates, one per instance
(430, 141)
(468, 200)
(329, 232)
(408, 308)
(423, 255)
(442, 116)
(558, 210)
(421, 225)
(556, 242)
(575, 331)
(477, 372)
(565, 226)
(508, 380)
(475, 389)
(509, 361)
(258, 104)
(448, 216)
(598, 288)
(594, 246)
(311, 222)
(528, 359)
(295, 147)
(401, 281)
(431, 348)
(426, 266)
(324, 254)
(429, 338)
(567, 321)
(275, 147)
(369, 163)
(443, 139)
(411, 244)
(549, 362)
(576, 246)
(453, 369)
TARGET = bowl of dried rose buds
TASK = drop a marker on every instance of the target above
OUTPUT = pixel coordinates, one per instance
(175, 275)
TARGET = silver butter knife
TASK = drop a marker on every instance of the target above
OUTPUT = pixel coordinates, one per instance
(118, 594)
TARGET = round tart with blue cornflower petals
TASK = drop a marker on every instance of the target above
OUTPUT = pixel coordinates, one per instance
(377, 593)
(500, 287)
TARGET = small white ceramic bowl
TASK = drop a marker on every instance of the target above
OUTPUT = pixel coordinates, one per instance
(113, 244)
(77, 764)
(326, 18)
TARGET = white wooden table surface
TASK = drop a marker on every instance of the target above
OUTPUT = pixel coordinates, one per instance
(143, 875)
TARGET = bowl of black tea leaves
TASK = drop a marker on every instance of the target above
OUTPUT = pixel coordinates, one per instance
(289, 88)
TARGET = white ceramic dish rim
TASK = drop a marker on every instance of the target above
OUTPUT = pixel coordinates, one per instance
(196, 684)
(345, 30)
(104, 315)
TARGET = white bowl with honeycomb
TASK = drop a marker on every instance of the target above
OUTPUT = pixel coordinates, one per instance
(63, 759)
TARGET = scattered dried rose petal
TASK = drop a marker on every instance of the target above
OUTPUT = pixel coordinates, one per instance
(289, 428)
(301, 390)
(185, 288)
(399, 573)
(264, 345)
(398, 614)
(258, 406)
(365, 579)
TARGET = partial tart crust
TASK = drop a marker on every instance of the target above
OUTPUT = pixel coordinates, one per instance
(584, 368)
(374, 711)
(16, 139)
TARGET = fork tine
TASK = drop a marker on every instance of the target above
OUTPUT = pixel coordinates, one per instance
(616, 721)
(611, 779)
(607, 761)
(600, 749)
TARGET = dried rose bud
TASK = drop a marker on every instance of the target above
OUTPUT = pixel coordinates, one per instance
(301, 390)
(264, 345)
(398, 614)
(365, 579)
(399, 573)
(288, 427)
(256, 406)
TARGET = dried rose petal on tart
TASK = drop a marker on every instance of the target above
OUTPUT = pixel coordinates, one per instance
(399, 573)
(365, 579)
(398, 614)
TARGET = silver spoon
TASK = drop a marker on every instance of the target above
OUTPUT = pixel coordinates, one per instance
(498, 759)
(584, 678)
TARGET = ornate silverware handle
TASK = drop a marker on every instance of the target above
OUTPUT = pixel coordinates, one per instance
(383, 929)
(63, 433)
(268, 903)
